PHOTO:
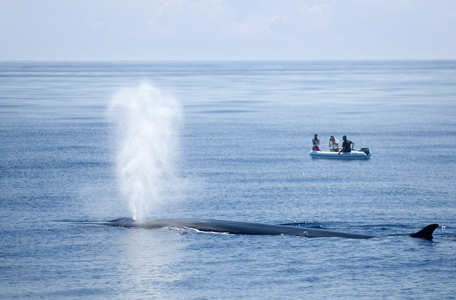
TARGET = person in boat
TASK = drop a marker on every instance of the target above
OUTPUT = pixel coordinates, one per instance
(333, 144)
(316, 143)
(347, 145)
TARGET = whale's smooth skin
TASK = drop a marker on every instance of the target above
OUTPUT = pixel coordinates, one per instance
(234, 227)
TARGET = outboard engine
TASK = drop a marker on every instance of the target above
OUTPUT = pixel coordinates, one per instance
(365, 150)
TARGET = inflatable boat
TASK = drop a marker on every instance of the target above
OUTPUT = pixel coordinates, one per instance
(364, 153)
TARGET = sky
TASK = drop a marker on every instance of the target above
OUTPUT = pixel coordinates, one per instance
(163, 30)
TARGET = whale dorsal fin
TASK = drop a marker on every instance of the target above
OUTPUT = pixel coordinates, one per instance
(426, 232)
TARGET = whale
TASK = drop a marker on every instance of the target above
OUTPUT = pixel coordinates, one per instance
(234, 227)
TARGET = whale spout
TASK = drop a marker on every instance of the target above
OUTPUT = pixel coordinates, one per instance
(426, 232)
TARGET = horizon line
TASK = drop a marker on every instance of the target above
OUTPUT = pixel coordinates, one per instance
(228, 60)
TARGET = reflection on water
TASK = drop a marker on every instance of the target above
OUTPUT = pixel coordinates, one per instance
(148, 259)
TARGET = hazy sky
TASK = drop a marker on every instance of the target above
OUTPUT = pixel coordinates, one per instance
(227, 29)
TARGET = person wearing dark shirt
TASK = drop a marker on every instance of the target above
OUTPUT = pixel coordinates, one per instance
(347, 145)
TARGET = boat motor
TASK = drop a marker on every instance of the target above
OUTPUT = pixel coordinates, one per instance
(365, 150)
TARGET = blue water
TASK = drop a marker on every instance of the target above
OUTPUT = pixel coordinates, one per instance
(241, 153)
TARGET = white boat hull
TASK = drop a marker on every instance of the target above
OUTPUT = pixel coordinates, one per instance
(343, 155)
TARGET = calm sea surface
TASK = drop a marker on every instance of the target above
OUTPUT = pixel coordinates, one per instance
(238, 149)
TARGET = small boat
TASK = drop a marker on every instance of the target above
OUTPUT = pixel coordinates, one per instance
(364, 153)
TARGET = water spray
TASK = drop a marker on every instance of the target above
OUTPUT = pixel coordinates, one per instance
(147, 123)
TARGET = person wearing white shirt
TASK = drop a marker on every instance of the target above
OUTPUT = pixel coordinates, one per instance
(333, 144)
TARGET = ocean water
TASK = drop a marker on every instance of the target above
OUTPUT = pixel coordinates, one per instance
(87, 142)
